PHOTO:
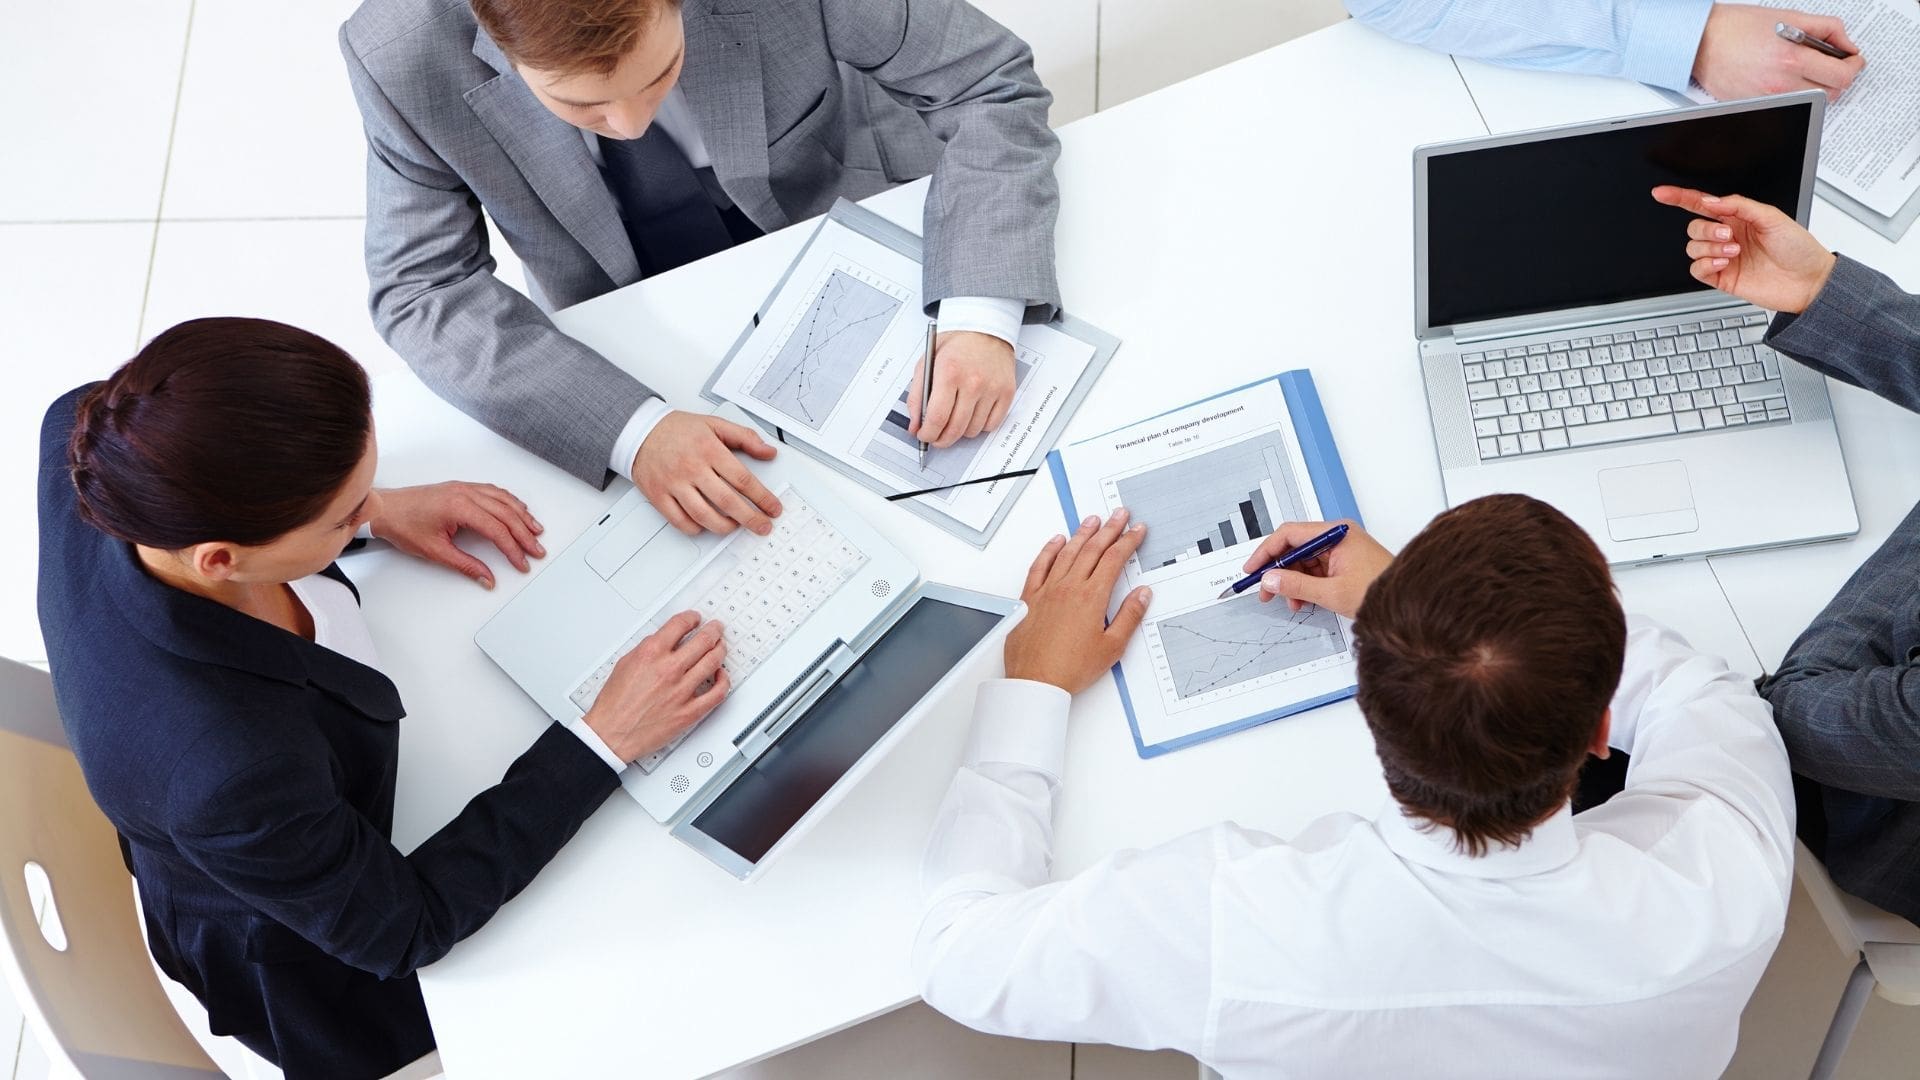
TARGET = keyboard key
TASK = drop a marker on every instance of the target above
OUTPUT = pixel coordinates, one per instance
(1475, 373)
(1690, 328)
(1473, 358)
(1580, 395)
(1489, 448)
(1551, 380)
(1552, 419)
(1486, 428)
(1643, 350)
(1687, 421)
(1617, 430)
(1537, 350)
(1508, 387)
(1509, 444)
(1529, 384)
(1660, 403)
(1710, 378)
(1755, 391)
(1603, 392)
(1722, 358)
(1509, 425)
(1582, 342)
(1636, 369)
(1735, 417)
(1637, 407)
(1537, 402)
(1530, 422)
(1724, 396)
(1758, 318)
(1596, 414)
(1481, 391)
(1643, 388)
(1530, 442)
(1751, 373)
(1603, 339)
(1581, 358)
(1777, 409)
(1559, 399)
(1752, 334)
(1712, 418)
(1558, 362)
(1769, 363)
(1614, 372)
(1553, 439)
(1493, 369)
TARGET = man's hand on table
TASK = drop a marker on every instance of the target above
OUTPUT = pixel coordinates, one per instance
(973, 384)
(1740, 55)
(1065, 640)
(1751, 250)
(422, 521)
(687, 469)
(663, 686)
(1337, 581)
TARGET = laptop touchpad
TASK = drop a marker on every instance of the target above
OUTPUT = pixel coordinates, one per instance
(645, 577)
(1643, 501)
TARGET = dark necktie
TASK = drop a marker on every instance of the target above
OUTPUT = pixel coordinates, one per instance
(669, 216)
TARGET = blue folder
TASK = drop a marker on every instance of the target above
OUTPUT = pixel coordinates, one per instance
(1336, 501)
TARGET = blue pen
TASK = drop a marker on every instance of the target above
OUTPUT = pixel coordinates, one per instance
(1312, 549)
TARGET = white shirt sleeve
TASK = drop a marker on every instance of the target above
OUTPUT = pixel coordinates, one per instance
(983, 315)
(639, 426)
(1119, 954)
(578, 725)
(1698, 731)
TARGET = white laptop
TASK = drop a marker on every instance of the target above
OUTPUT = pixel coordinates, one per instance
(1568, 353)
(834, 648)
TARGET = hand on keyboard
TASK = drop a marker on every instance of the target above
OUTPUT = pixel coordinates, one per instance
(663, 686)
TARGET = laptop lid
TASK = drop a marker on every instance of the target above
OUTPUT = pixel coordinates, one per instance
(1559, 224)
(747, 817)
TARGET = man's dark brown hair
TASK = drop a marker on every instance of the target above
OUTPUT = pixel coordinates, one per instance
(569, 36)
(1488, 652)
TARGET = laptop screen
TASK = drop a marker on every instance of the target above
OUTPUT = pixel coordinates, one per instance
(778, 789)
(1566, 222)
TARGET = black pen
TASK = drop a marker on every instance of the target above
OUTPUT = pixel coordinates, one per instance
(926, 385)
(1312, 549)
(1801, 37)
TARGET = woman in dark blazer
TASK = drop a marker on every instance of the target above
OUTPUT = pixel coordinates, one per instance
(225, 702)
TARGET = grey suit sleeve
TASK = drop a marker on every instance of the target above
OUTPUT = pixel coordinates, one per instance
(478, 343)
(1861, 329)
(1847, 696)
(991, 210)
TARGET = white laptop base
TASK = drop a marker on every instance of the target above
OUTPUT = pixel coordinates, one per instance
(800, 609)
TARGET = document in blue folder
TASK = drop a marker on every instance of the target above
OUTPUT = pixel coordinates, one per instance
(1210, 480)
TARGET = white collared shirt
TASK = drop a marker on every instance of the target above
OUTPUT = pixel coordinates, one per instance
(997, 316)
(1621, 943)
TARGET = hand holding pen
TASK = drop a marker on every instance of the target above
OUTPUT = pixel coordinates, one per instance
(1333, 573)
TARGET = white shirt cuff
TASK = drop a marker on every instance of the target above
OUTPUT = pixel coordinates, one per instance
(639, 426)
(983, 315)
(1019, 722)
(1663, 41)
(578, 725)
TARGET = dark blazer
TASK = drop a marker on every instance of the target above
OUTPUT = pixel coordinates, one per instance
(251, 775)
(1847, 696)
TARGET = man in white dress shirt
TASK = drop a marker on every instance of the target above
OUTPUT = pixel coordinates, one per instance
(1473, 927)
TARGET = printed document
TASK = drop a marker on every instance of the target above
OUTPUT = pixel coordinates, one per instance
(834, 356)
(1870, 147)
(1210, 481)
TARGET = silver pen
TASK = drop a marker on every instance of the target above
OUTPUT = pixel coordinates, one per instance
(1801, 37)
(926, 385)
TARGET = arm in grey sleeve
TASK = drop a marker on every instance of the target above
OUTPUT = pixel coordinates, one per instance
(472, 339)
(1861, 329)
(1847, 696)
(991, 209)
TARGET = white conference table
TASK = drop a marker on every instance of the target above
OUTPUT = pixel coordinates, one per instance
(1248, 221)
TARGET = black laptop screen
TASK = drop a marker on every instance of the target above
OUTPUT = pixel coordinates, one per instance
(1567, 222)
(777, 790)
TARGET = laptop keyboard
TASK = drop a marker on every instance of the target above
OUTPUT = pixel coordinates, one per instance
(1635, 384)
(761, 588)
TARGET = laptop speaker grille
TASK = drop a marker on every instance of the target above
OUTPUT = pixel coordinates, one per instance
(679, 784)
(881, 586)
(1452, 418)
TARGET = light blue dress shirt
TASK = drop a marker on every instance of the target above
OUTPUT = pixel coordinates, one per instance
(1650, 41)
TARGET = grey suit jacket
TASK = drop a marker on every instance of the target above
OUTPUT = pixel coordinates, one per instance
(798, 102)
(1847, 697)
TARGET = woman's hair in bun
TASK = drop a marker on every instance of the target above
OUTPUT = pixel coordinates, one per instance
(229, 429)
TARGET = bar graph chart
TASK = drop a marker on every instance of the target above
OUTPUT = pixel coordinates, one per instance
(1211, 501)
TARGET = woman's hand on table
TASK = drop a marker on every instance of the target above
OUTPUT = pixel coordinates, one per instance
(1065, 640)
(422, 521)
(663, 686)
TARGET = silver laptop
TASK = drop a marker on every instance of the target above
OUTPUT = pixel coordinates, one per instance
(834, 649)
(1568, 353)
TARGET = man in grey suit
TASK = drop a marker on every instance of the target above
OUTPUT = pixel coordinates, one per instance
(1847, 696)
(612, 139)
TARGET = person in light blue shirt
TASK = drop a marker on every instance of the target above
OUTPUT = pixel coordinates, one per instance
(1729, 49)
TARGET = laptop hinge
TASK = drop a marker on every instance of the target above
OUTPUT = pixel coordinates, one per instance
(799, 695)
(1593, 320)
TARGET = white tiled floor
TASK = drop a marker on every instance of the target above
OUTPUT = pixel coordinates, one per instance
(206, 159)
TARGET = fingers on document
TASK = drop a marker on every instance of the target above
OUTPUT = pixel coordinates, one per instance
(1114, 560)
(1063, 562)
(1132, 610)
(1097, 545)
(1042, 566)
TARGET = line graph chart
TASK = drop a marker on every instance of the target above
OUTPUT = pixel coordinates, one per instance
(822, 353)
(1235, 641)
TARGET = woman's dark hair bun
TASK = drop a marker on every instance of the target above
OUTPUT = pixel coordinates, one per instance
(220, 429)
